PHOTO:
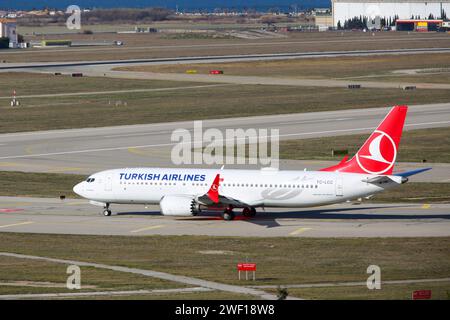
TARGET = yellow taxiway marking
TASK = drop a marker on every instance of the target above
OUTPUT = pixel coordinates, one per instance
(299, 230)
(138, 152)
(28, 149)
(74, 203)
(147, 228)
(11, 164)
(16, 224)
(426, 206)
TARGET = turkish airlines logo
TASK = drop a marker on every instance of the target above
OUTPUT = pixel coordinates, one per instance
(378, 154)
(214, 187)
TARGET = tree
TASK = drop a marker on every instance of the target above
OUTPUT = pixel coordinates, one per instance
(339, 25)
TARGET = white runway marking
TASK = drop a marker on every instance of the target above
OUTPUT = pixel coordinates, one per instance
(147, 228)
(86, 93)
(16, 224)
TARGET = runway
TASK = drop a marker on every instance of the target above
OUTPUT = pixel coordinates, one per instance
(38, 215)
(93, 149)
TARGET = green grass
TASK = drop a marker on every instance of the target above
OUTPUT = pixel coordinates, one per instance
(439, 291)
(13, 270)
(323, 68)
(416, 192)
(38, 184)
(415, 146)
(35, 83)
(308, 261)
(179, 105)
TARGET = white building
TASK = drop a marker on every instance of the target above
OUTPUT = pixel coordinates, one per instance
(404, 9)
(8, 29)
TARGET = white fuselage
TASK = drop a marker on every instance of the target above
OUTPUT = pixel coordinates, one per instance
(257, 188)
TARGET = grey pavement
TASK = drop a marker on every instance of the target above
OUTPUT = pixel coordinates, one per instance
(72, 216)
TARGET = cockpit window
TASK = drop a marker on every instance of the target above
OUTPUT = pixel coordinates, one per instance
(89, 180)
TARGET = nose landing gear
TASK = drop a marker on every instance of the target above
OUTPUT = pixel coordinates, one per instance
(106, 211)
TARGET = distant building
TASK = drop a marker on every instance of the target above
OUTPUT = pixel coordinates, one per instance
(8, 29)
(389, 9)
(418, 25)
(324, 20)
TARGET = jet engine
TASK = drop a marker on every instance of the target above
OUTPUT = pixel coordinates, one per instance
(179, 205)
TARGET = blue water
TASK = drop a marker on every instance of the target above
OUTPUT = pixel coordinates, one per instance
(210, 5)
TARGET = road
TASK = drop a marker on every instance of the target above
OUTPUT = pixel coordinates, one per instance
(38, 215)
(93, 149)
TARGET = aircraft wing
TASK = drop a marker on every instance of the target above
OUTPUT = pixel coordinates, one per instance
(213, 198)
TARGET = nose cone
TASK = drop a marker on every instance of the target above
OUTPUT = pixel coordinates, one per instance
(79, 189)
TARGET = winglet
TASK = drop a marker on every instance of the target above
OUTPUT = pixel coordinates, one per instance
(411, 173)
(213, 192)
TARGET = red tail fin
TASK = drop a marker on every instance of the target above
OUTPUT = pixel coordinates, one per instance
(378, 153)
(213, 192)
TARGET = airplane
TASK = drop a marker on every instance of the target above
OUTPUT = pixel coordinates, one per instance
(186, 192)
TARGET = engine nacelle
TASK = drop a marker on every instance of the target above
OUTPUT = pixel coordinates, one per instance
(179, 205)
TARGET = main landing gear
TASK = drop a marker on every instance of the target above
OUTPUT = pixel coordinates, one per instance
(106, 211)
(229, 215)
(249, 212)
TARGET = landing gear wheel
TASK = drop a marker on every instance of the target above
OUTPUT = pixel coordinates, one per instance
(106, 211)
(249, 212)
(228, 215)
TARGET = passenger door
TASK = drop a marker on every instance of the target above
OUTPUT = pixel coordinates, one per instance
(108, 182)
